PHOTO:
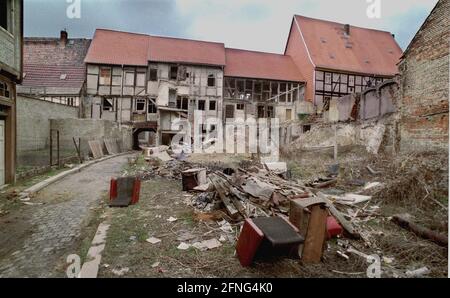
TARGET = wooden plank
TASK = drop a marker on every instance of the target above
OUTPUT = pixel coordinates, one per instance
(315, 236)
(96, 149)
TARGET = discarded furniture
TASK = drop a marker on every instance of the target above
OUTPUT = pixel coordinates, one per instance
(266, 237)
(309, 215)
(124, 191)
(192, 178)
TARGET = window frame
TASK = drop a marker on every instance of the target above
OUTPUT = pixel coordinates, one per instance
(100, 76)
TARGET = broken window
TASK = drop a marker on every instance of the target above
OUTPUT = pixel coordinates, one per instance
(230, 87)
(105, 76)
(283, 96)
(182, 103)
(129, 78)
(274, 88)
(258, 87)
(172, 97)
(240, 106)
(212, 105)
(140, 105)
(140, 79)
(261, 112)
(270, 113)
(151, 108)
(211, 80)
(153, 74)
(201, 105)
(173, 72)
(108, 104)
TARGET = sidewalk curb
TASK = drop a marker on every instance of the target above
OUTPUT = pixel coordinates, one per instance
(39, 186)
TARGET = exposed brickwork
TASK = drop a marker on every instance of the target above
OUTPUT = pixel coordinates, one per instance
(424, 75)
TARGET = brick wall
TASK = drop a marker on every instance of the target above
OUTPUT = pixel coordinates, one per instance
(424, 78)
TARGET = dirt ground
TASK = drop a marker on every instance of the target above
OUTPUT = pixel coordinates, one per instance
(412, 184)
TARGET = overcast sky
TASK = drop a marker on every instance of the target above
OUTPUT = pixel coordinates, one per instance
(261, 25)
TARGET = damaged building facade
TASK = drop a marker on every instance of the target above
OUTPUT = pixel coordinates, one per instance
(339, 59)
(147, 82)
(11, 34)
(261, 85)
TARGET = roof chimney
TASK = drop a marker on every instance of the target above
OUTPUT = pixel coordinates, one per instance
(63, 37)
(347, 29)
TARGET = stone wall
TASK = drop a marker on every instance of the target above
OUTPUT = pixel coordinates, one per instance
(424, 75)
(33, 122)
(91, 129)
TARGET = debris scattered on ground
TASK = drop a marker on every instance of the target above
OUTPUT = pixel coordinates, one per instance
(183, 246)
(418, 272)
(171, 219)
(153, 240)
(354, 205)
(121, 271)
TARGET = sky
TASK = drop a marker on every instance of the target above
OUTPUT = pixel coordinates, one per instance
(260, 25)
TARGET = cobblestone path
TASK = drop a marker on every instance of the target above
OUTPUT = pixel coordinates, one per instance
(47, 232)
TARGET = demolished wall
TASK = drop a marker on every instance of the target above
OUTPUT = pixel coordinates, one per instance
(90, 129)
(373, 135)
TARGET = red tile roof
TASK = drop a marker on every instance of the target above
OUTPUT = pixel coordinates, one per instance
(46, 59)
(250, 64)
(123, 48)
(167, 49)
(364, 51)
(118, 48)
(50, 76)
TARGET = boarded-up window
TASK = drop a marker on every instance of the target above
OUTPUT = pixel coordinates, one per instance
(288, 114)
(140, 79)
(105, 76)
(129, 78)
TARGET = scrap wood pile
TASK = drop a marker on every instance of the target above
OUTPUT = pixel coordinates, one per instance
(260, 192)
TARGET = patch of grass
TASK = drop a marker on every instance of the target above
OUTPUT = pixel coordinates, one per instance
(187, 217)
